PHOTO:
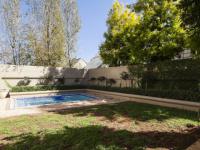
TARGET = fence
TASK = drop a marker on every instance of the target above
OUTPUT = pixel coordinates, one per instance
(179, 74)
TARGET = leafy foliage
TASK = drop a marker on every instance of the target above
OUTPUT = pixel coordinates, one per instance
(160, 35)
(44, 88)
(191, 18)
(102, 78)
(61, 81)
(187, 95)
(154, 34)
(93, 79)
(77, 80)
(110, 82)
(168, 75)
(51, 51)
(26, 81)
(124, 75)
(121, 25)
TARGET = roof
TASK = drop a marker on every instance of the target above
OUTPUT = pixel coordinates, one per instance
(95, 62)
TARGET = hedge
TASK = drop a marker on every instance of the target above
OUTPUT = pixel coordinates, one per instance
(168, 75)
(44, 88)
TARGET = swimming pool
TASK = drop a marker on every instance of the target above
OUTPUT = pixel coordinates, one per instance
(39, 101)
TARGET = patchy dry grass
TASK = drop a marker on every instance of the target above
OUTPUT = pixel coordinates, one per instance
(125, 125)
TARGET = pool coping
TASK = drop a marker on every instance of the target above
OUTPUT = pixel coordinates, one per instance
(104, 97)
(173, 103)
(180, 104)
(9, 111)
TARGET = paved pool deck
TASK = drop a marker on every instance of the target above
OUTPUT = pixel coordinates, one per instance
(7, 109)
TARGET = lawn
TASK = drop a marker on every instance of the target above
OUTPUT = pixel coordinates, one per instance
(126, 125)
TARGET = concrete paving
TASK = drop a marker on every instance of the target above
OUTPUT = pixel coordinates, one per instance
(6, 112)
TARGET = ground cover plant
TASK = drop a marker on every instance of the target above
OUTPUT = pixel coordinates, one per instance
(124, 125)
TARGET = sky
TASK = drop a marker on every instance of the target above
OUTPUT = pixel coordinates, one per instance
(93, 15)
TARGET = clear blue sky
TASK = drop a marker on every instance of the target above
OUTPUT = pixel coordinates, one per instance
(93, 16)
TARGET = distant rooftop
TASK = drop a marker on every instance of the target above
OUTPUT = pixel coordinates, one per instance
(95, 62)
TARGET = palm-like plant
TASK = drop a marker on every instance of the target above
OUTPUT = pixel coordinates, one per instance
(124, 76)
(101, 79)
(110, 82)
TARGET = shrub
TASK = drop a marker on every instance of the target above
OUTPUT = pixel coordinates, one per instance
(124, 75)
(172, 94)
(44, 88)
(26, 81)
(77, 80)
(110, 82)
(46, 81)
(93, 79)
(101, 79)
(168, 75)
(61, 81)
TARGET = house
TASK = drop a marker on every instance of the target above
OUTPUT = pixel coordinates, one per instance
(95, 62)
(78, 63)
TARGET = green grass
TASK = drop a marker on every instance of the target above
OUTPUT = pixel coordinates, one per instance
(125, 125)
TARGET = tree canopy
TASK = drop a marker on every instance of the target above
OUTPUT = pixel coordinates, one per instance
(149, 31)
(44, 33)
(121, 25)
(191, 21)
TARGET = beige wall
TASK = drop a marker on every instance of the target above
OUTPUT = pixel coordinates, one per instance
(13, 74)
(111, 72)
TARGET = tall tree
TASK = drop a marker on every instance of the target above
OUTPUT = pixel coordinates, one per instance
(121, 24)
(51, 49)
(11, 18)
(191, 18)
(159, 35)
(72, 26)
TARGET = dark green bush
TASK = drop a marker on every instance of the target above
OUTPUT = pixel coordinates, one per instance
(26, 81)
(44, 88)
(101, 79)
(168, 75)
(171, 94)
(60, 81)
(93, 79)
(124, 75)
(110, 82)
(46, 81)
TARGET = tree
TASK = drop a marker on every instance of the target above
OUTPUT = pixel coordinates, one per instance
(191, 21)
(5, 53)
(159, 35)
(11, 18)
(121, 24)
(125, 76)
(50, 50)
(154, 34)
(72, 26)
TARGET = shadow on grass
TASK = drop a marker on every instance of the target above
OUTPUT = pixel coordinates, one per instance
(100, 137)
(135, 111)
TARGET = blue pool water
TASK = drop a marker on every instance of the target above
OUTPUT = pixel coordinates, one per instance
(38, 101)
